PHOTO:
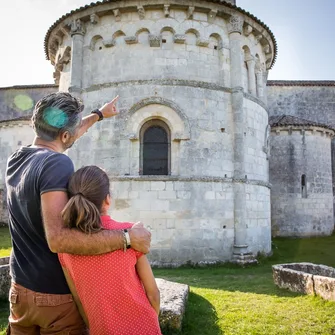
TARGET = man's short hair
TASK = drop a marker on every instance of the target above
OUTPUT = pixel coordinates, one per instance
(55, 114)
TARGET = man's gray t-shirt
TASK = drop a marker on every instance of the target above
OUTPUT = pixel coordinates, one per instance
(30, 173)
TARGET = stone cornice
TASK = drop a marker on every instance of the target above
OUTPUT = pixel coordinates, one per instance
(303, 130)
(25, 87)
(231, 10)
(301, 83)
(285, 121)
(15, 122)
(204, 179)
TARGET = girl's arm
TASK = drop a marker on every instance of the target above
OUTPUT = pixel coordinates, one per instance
(144, 271)
(75, 295)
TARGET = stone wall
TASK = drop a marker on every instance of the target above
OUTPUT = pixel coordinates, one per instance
(313, 101)
(18, 101)
(293, 212)
(13, 135)
(16, 107)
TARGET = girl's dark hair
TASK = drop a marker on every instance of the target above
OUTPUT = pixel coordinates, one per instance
(88, 188)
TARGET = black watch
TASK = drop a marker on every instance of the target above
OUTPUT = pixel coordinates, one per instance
(98, 112)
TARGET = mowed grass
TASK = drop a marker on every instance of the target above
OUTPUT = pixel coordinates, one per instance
(5, 242)
(241, 301)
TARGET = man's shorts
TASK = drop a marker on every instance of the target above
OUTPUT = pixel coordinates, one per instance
(33, 313)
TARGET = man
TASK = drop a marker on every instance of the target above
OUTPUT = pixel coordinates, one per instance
(36, 180)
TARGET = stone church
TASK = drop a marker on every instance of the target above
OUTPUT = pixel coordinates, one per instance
(211, 156)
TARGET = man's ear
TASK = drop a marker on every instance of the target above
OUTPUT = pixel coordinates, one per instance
(65, 136)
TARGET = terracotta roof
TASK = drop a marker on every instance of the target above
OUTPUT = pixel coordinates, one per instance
(220, 2)
(19, 87)
(301, 83)
(289, 120)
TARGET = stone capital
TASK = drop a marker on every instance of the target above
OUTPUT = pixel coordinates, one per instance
(250, 61)
(77, 28)
(235, 24)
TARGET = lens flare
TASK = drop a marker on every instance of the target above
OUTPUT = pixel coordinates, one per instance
(23, 102)
(55, 117)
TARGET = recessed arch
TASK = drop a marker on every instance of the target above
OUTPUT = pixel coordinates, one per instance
(118, 37)
(142, 36)
(192, 31)
(160, 108)
(94, 41)
(142, 30)
(168, 28)
(215, 41)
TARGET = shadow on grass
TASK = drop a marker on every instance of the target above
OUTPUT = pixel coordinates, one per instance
(200, 317)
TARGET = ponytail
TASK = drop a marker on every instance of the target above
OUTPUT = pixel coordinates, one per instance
(81, 213)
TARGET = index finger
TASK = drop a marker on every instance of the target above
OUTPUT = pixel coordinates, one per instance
(115, 99)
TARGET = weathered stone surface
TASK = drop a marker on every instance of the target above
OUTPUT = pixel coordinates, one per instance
(295, 281)
(173, 303)
(308, 278)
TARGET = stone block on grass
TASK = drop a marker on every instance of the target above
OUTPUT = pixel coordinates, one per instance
(173, 304)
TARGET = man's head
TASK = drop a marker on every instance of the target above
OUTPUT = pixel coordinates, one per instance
(57, 117)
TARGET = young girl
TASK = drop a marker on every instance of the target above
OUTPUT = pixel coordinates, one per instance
(116, 293)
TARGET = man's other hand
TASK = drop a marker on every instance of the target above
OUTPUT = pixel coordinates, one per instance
(140, 238)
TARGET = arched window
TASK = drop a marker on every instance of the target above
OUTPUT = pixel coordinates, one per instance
(155, 148)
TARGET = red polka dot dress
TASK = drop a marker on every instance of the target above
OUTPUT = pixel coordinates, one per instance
(111, 292)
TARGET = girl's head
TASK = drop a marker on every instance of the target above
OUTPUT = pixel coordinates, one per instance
(89, 198)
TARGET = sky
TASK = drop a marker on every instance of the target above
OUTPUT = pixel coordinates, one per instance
(303, 30)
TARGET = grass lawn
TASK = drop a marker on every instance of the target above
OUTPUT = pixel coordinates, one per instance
(5, 242)
(234, 301)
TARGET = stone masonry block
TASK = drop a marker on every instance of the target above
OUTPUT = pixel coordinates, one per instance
(167, 195)
(157, 185)
(173, 304)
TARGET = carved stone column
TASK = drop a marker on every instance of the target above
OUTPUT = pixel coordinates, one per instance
(259, 81)
(77, 34)
(265, 80)
(251, 75)
(240, 252)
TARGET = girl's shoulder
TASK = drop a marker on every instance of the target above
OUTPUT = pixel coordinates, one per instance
(109, 223)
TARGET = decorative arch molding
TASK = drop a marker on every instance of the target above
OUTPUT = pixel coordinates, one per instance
(94, 41)
(158, 108)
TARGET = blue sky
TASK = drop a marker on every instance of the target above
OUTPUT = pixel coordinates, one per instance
(303, 30)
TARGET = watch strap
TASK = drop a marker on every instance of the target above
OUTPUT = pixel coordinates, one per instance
(126, 234)
(99, 113)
